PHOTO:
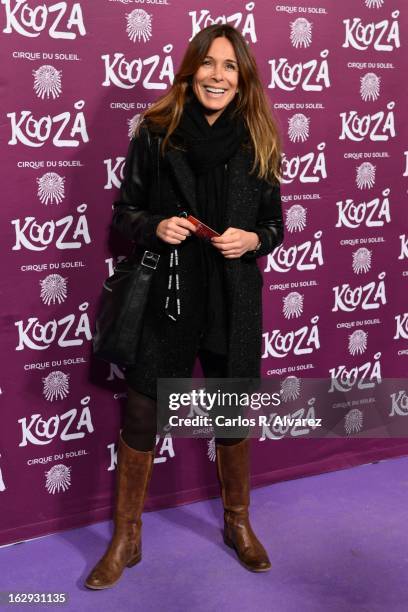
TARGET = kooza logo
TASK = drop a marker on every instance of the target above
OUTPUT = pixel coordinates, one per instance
(381, 36)
(35, 236)
(59, 19)
(302, 257)
(38, 337)
(139, 25)
(293, 424)
(33, 132)
(312, 75)
(246, 23)
(51, 188)
(65, 427)
(374, 213)
(301, 33)
(365, 376)
(308, 168)
(379, 127)
(47, 82)
(302, 341)
(370, 296)
(154, 72)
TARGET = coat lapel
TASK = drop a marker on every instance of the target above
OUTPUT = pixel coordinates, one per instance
(184, 176)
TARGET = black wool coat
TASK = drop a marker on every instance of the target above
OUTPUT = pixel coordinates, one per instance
(157, 187)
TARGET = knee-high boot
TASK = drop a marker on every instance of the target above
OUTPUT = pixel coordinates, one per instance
(233, 474)
(134, 470)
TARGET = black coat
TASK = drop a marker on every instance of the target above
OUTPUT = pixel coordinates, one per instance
(154, 189)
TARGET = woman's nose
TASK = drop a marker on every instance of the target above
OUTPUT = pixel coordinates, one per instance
(218, 74)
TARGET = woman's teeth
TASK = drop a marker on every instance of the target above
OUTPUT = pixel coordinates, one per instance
(214, 91)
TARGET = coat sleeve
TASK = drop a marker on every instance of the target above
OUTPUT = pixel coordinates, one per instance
(269, 225)
(131, 216)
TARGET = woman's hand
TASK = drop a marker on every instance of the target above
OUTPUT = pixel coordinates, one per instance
(174, 230)
(235, 242)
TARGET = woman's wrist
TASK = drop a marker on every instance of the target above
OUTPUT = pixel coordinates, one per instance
(257, 242)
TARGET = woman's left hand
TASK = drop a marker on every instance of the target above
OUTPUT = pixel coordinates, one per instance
(235, 242)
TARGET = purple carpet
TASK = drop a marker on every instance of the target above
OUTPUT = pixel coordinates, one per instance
(338, 542)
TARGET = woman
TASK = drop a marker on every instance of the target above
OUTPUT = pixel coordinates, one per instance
(210, 148)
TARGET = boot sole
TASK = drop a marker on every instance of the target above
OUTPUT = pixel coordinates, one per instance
(111, 584)
(231, 544)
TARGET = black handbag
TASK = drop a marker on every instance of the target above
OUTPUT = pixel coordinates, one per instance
(122, 305)
(120, 316)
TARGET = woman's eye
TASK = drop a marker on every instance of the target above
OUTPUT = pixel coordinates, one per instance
(231, 66)
(207, 62)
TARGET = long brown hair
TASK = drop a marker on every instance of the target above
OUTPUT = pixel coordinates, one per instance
(252, 102)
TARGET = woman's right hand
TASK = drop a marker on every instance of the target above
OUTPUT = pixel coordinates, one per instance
(174, 230)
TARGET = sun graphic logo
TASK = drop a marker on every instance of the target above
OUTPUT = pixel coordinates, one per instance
(301, 33)
(51, 188)
(53, 289)
(56, 385)
(290, 388)
(365, 175)
(58, 478)
(353, 421)
(139, 25)
(292, 305)
(296, 218)
(298, 127)
(361, 260)
(211, 452)
(47, 82)
(357, 343)
(370, 87)
(374, 3)
(133, 123)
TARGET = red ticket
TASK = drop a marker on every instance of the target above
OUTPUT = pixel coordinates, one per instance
(203, 230)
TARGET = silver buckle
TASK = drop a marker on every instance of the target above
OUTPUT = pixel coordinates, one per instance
(150, 260)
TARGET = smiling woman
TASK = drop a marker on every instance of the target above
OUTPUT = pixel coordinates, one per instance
(210, 149)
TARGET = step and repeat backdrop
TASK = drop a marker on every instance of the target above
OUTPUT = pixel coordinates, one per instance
(75, 78)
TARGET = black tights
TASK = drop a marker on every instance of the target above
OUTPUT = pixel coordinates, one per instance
(140, 418)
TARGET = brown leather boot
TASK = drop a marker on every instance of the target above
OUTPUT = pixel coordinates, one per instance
(233, 474)
(134, 469)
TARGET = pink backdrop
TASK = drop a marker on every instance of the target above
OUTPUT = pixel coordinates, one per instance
(75, 76)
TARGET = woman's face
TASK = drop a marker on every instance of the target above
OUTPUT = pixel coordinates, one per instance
(216, 81)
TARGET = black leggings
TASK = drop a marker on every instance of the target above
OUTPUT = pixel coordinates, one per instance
(140, 418)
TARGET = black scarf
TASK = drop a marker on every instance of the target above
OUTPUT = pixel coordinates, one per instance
(209, 148)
